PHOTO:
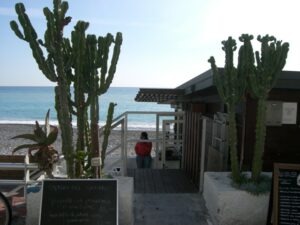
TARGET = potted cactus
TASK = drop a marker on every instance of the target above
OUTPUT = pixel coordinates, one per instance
(256, 73)
(41, 150)
(231, 87)
(256, 79)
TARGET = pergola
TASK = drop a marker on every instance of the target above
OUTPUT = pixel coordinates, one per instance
(159, 95)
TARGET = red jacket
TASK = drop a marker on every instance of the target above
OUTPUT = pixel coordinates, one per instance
(143, 148)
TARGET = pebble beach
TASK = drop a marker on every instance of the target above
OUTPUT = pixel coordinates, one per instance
(7, 144)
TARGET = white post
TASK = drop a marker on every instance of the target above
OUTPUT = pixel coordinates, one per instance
(157, 143)
(123, 152)
(125, 142)
(163, 149)
(27, 175)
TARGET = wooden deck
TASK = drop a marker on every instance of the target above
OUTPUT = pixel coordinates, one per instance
(161, 181)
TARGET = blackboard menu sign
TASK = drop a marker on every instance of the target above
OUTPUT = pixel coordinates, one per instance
(286, 195)
(79, 202)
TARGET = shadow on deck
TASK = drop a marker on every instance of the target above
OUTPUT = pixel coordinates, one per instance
(161, 181)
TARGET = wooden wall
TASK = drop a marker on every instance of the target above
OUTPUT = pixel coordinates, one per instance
(192, 146)
(282, 142)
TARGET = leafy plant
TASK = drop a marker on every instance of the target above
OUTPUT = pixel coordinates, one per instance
(82, 160)
(44, 153)
(262, 186)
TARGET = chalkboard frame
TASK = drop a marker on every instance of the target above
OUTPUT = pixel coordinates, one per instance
(61, 181)
(277, 168)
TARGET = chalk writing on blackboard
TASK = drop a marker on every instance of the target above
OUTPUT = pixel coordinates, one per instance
(286, 194)
(79, 202)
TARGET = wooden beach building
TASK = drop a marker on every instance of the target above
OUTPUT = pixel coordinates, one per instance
(205, 124)
(201, 128)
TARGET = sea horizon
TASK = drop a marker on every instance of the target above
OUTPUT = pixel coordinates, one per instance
(27, 104)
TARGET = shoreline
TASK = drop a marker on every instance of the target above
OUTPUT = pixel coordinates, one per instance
(138, 127)
(7, 131)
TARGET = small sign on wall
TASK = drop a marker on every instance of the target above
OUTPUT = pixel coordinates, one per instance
(274, 113)
(96, 161)
(289, 113)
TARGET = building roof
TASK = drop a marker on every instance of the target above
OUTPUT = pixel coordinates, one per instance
(201, 88)
(159, 95)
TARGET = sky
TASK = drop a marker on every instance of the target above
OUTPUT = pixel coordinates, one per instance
(165, 42)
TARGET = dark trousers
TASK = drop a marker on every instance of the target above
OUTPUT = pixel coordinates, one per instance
(143, 161)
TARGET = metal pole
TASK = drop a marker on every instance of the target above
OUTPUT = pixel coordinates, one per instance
(125, 142)
(157, 142)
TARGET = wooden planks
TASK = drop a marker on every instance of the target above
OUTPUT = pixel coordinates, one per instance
(192, 145)
(161, 181)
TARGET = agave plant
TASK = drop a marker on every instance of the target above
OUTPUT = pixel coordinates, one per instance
(41, 150)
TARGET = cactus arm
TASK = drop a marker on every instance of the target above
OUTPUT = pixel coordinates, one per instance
(29, 35)
(107, 130)
(91, 67)
(245, 62)
(104, 46)
(114, 60)
(227, 84)
(14, 26)
(217, 79)
(29, 32)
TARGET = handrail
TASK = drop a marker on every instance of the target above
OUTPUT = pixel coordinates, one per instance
(163, 113)
(26, 167)
(122, 120)
(18, 166)
(119, 120)
(113, 149)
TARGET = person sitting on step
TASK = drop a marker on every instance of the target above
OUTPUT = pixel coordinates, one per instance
(143, 152)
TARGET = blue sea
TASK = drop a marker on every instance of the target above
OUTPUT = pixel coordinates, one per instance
(25, 105)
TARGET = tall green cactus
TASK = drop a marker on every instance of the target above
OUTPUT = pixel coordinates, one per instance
(72, 62)
(231, 87)
(101, 84)
(269, 66)
(79, 78)
(90, 54)
(54, 66)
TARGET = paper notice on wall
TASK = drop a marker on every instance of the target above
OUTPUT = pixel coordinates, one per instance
(96, 161)
(289, 113)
